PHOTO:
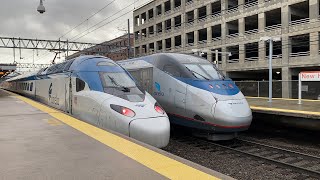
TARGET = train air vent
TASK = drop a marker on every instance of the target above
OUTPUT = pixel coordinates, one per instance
(197, 117)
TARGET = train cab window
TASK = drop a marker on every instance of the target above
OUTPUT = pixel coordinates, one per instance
(31, 86)
(80, 85)
(172, 70)
(211, 71)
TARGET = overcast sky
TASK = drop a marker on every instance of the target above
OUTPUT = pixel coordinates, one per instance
(19, 18)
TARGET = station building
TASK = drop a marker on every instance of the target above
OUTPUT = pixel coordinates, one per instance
(115, 49)
(235, 26)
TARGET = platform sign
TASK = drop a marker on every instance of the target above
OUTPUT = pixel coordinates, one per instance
(310, 76)
(307, 76)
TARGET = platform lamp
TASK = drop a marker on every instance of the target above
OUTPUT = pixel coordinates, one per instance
(41, 9)
(270, 40)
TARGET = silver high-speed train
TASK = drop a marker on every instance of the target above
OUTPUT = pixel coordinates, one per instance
(193, 93)
(97, 90)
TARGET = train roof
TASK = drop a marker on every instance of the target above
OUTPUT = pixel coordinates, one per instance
(81, 63)
(174, 58)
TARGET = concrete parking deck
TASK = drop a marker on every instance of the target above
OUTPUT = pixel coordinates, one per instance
(38, 142)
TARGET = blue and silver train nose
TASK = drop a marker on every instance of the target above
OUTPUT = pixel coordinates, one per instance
(153, 131)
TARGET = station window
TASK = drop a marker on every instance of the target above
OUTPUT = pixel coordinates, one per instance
(80, 85)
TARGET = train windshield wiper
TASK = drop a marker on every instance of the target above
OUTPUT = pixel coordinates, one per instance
(125, 89)
(194, 72)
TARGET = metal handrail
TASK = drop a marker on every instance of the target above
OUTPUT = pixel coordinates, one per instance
(189, 23)
(273, 27)
(189, 3)
(167, 12)
(252, 31)
(298, 54)
(235, 35)
(252, 59)
(275, 56)
(202, 42)
(251, 4)
(177, 8)
(217, 39)
(233, 60)
(299, 22)
(232, 10)
(189, 44)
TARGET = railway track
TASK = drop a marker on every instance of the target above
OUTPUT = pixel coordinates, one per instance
(305, 164)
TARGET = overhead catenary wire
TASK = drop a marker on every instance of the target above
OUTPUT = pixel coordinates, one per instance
(87, 18)
(92, 28)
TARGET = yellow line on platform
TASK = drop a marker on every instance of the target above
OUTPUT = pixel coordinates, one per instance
(285, 110)
(286, 99)
(162, 164)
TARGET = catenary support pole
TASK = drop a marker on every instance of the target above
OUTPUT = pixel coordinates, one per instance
(270, 68)
(129, 46)
(299, 93)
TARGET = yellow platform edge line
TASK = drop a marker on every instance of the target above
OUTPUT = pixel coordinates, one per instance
(285, 110)
(287, 99)
(161, 164)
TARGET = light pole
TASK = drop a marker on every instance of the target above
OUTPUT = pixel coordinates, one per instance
(217, 56)
(270, 40)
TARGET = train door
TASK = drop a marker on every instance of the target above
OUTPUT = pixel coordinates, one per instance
(180, 97)
(68, 91)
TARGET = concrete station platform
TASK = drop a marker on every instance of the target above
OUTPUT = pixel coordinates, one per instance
(305, 115)
(38, 142)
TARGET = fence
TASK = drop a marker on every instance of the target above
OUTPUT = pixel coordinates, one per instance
(310, 90)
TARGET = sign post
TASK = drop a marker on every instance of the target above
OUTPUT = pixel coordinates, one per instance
(307, 76)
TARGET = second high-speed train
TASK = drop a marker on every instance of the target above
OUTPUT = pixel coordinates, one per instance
(194, 93)
(97, 90)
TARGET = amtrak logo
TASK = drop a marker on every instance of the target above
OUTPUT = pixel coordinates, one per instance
(157, 85)
(158, 88)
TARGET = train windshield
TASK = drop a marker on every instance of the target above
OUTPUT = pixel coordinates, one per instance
(118, 79)
(204, 71)
(121, 85)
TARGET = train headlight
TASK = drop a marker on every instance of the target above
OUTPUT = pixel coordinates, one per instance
(158, 108)
(123, 110)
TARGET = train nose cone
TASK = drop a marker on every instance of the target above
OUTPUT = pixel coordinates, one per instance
(233, 113)
(153, 131)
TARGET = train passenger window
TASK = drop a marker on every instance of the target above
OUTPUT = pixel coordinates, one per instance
(31, 86)
(80, 85)
(172, 70)
(28, 86)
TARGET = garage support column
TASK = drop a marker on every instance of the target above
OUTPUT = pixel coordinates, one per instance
(209, 35)
(242, 53)
(314, 10)
(286, 82)
(209, 9)
(242, 26)
(261, 22)
(173, 44)
(163, 45)
(286, 50)
(148, 48)
(314, 44)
